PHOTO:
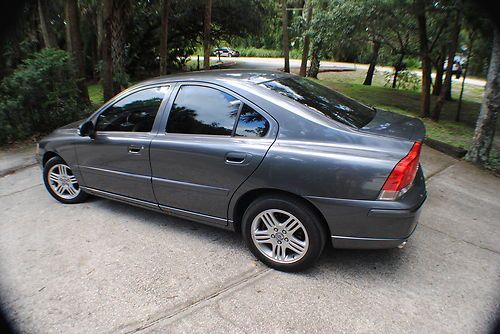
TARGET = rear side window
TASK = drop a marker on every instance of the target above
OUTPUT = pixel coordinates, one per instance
(323, 100)
(203, 110)
(251, 123)
(134, 113)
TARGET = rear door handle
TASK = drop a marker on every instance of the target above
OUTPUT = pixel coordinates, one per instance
(236, 158)
(134, 149)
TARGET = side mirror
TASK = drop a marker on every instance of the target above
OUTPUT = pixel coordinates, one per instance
(86, 129)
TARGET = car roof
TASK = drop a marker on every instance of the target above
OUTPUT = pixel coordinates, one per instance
(252, 77)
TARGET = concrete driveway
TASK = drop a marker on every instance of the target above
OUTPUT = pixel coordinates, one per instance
(105, 267)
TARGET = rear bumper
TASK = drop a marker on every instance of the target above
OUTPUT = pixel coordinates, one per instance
(368, 224)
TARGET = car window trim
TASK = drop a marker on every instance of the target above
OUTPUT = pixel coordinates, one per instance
(175, 91)
(121, 96)
(235, 125)
(206, 85)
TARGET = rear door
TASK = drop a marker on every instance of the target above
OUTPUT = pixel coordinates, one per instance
(116, 160)
(211, 143)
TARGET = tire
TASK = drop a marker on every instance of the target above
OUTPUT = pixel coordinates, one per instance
(61, 183)
(270, 229)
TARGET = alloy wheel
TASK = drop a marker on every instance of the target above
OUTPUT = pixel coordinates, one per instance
(62, 182)
(280, 236)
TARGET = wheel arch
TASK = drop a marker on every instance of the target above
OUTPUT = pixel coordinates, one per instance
(247, 198)
(49, 155)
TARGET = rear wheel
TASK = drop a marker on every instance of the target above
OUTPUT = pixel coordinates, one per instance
(283, 232)
(61, 183)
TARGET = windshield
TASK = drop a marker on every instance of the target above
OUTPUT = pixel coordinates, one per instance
(323, 100)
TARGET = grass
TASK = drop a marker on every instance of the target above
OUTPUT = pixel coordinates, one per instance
(95, 94)
(407, 102)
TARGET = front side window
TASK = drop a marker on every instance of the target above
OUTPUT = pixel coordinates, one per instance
(203, 110)
(134, 113)
(322, 100)
(251, 123)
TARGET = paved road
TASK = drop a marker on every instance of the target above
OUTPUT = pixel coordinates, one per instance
(277, 63)
(105, 267)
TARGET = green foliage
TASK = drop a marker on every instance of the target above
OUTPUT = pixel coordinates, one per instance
(267, 53)
(39, 96)
(406, 80)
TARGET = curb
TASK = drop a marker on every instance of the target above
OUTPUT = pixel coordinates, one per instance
(455, 152)
(14, 169)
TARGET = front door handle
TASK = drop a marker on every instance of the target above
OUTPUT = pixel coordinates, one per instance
(236, 158)
(134, 149)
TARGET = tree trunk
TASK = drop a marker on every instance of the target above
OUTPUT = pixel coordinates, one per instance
(466, 67)
(286, 40)
(49, 40)
(118, 22)
(482, 141)
(436, 112)
(425, 98)
(438, 81)
(399, 67)
(315, 60)
(73, 22)
(164, 37)
(100, 27)
(307, 42)
(207, 27)
(373, 63)
(67, 29)
(107, 70)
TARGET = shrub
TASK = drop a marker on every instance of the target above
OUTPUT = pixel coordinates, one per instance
(39, 96)
(267, 53)
(406, 80)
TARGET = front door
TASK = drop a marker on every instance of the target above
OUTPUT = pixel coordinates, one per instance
(116, 160)
(211, 144)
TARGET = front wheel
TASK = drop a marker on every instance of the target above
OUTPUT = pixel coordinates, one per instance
(283, 232)
(61, 183)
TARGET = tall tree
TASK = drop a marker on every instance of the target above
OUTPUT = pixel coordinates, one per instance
(100, 25)
(121, 9)
(75, 41)
(307, 42)
(439, 65)
(466, 69)
(425, 57)
(49, 39)
(286, 39)
(207, 27)
(107, 59)
(484, 133)
(452, 49)
(164, 36)
(373, 62)
(315, 59)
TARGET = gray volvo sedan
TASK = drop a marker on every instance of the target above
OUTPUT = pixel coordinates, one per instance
(285, 161)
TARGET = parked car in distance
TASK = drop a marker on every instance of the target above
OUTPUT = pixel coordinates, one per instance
(225, 52)
(285, 161)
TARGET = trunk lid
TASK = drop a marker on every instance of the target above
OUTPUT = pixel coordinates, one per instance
(386, 123)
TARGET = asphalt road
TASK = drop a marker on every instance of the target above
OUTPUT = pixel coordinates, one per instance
(105, 267)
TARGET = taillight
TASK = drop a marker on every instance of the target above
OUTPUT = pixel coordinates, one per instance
(402, 176)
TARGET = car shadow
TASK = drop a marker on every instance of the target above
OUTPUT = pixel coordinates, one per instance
(347, 262)
(163, 221)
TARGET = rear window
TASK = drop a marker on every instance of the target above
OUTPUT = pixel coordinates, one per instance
(323, 100)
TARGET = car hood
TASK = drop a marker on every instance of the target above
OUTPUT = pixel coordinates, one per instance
(394, 125)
